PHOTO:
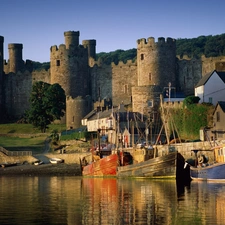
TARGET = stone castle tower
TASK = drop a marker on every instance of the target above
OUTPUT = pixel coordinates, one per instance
(69, 68)
(156, 67)
(88, 82)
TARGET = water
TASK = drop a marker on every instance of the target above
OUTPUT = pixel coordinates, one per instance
(77, 200)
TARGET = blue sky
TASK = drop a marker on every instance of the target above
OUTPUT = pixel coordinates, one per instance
(40, 24)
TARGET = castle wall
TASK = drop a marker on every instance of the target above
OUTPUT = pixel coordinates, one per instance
(101, 82)
(124, 77)
(114, 81)
(189, 73)
(17, 93)
(41, 75)
(212, 63)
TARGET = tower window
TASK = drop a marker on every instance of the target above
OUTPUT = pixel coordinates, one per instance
(125, 88)
(150, 76)
(142, 56)
(150, 103)
(57, 62)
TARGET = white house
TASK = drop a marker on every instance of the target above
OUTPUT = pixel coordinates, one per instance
(211, 88)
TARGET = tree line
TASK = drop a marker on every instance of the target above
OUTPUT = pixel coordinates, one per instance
(210, 46)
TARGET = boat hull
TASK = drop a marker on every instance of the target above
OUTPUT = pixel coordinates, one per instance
(214, 172)
(104, 167)
(167, 166)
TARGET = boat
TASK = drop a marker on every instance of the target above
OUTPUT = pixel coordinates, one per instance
(139, 162)
(55, 160)
(38, 162)
(168, 166)
(105, 163)
(203, 170)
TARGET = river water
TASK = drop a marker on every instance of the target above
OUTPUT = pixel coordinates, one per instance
(76, 200)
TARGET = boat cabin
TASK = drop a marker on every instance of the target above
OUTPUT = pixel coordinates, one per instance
(219, 153)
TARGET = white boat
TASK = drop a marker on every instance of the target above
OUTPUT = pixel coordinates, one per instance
(55, 160)
(38, 162)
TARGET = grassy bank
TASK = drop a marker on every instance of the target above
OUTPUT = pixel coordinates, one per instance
(23, 137)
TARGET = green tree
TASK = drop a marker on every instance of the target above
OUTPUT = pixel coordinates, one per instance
(48, 103)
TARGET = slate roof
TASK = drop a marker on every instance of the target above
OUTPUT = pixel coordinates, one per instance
(208, 75)
(222, 105)
(204, 79)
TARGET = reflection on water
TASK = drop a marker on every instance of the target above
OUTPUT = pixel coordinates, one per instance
(76, 200)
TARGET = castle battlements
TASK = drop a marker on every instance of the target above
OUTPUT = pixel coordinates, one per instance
(121, 63)
(150, 42)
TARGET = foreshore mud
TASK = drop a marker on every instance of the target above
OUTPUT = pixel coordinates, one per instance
(61, 169)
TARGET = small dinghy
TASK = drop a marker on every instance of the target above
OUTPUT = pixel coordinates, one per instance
(56, 160)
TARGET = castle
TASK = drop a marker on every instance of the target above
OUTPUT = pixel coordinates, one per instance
(87, 81)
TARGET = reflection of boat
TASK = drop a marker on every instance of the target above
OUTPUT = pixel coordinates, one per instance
(55, 160)
(170, 165)
(205, 171)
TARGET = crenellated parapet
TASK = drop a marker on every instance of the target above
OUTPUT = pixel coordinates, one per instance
(150, 42)
(71, 38)
(122, 64)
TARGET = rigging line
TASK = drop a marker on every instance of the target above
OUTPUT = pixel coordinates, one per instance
(215, 92)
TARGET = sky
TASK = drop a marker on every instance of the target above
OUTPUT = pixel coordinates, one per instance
(117, 24)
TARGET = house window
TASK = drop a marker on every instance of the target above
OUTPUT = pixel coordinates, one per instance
(57, 62)
(210, 100)
(142, 56)
(217, 116)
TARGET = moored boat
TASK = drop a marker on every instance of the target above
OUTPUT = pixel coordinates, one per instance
(203, 170)
(171, 165)
(104, 165)
(55, 160)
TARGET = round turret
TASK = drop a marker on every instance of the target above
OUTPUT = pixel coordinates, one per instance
(71, 38)
(76, 110)
(91, 46)
(15, 57)
(156, 62)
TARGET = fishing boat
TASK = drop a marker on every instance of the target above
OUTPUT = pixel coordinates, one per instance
(105, 163)
(203, 170)
(168, 166)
